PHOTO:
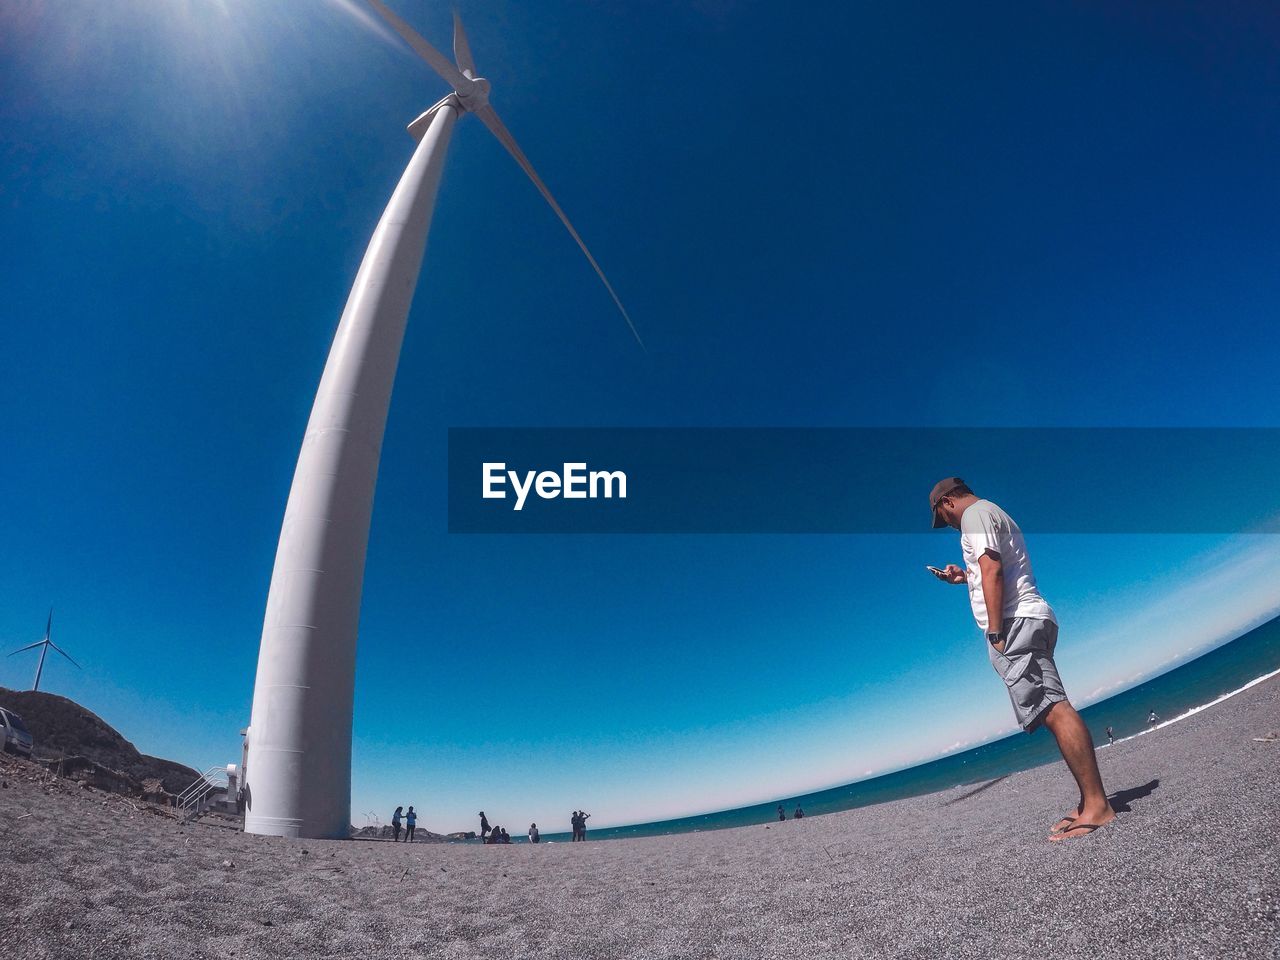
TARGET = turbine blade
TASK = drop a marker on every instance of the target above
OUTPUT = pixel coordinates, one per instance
(64, 653)
(29, 646)
(461, 49)
(438, 61)
(49, 624)
(490, 119)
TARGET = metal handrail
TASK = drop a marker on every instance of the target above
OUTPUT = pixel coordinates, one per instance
(201, 781)
(215, 778)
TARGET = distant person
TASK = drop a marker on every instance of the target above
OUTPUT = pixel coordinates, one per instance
(798, 815)
(484, 826)
(1021, 632)
(534, 836)
(782, 814)
(410, 821)
(1111, 737)
(395, 825)
(576, 824)
(506, 837)
(583, 817)
(1153, 719)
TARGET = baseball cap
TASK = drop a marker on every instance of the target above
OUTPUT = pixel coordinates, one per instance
(940, 490)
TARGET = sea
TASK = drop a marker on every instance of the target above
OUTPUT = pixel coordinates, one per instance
(1179, 693)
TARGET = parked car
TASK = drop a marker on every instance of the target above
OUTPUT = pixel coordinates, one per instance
(17, 739)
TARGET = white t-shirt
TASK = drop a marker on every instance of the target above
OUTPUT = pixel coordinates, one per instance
(984, 526)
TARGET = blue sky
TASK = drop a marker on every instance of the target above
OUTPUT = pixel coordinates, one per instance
(1031, 214)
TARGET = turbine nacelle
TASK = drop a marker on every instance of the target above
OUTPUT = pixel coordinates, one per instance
(472, 98)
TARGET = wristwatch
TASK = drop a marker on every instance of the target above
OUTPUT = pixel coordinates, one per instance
(994, 638)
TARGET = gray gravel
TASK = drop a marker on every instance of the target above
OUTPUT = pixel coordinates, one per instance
(1190, 869)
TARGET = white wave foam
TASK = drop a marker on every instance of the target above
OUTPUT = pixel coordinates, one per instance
(1204, 706)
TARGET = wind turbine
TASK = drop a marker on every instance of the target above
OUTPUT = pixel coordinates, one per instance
(298, 743)
(44, 646)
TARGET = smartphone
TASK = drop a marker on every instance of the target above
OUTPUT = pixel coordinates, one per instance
(935, 571)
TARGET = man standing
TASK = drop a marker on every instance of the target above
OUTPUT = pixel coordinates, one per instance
(1021, 633)
(410, 822)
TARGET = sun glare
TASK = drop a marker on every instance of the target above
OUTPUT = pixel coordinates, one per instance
(362, 15)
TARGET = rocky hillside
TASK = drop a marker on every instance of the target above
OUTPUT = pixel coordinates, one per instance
(385, 832)
(62, 727)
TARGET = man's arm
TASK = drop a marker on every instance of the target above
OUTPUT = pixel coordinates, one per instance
(993, 593)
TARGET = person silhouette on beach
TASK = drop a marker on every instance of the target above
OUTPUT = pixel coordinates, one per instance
(410, 821)
(798, 815)
(576, 824)
(782, 814)
(534, 836)
(395, 824)
(1021, 632)
(506, 837)
(583, 817)
(1153, 719)
(484, 825)
(1111, 737)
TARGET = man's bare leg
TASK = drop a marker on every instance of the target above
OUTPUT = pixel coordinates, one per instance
(1076, 747)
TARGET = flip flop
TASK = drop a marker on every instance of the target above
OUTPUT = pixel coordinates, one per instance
(1090, 827)
(1058, 829)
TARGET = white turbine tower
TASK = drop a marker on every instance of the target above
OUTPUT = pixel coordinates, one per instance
(44, 646)
(298, 743)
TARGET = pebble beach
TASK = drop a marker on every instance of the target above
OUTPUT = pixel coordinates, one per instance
(1190, 868)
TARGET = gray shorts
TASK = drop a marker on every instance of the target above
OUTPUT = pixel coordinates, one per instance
(1028, 670)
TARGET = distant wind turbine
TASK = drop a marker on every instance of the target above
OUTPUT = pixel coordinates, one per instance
(298, 743)
(44, 646)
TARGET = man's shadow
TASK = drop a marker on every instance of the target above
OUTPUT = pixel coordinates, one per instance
(1120, 799)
